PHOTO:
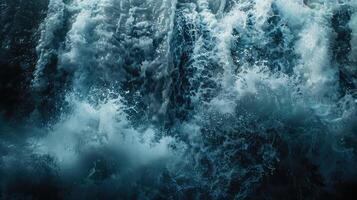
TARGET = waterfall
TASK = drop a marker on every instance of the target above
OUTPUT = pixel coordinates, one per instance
(177, 99)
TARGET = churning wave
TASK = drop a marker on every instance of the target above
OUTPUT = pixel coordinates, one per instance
(178, 99)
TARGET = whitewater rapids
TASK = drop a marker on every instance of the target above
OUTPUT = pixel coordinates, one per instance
(178, 99)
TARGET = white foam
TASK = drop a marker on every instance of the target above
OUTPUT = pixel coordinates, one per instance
(91, 127)
(315, 67)
(52, 23)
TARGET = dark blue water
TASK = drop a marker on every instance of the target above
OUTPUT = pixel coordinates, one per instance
(177, 99)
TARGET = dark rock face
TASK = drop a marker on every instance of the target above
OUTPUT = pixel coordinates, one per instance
(19, 35)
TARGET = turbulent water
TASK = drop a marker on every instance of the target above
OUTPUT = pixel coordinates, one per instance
(178, 99)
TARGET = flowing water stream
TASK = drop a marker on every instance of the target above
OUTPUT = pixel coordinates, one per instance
(178, 99)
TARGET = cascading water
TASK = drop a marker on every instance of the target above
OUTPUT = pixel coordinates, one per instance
(177, 99)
